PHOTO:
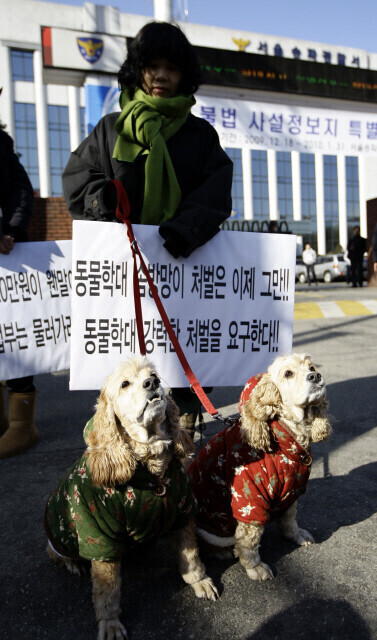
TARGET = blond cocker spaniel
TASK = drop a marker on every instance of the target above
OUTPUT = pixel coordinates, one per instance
(127, 488)
(254, 470)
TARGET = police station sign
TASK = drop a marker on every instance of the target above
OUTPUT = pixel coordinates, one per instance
(82, 50)
(230, 304)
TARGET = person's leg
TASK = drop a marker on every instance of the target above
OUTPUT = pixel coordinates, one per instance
(353, 273)
(22, 432)
(360, 272)
(308, 274)
(313, 274)
(4, 422)
(189, 407)
(21, 385)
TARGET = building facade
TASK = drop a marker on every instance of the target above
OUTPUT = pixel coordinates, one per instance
(298, 119)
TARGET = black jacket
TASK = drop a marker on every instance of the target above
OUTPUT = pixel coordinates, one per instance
(16, 192)
(356, 248)
(203, 170)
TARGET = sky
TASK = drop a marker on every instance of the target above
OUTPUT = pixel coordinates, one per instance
(337, 22)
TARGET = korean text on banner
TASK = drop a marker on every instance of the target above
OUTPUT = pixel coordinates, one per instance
(35, 308)
(282, 127)
(230, 304)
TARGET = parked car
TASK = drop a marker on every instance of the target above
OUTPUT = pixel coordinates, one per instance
(327, 268)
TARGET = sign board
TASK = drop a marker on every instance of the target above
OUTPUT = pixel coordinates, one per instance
(35, 308)
(82, 50)
(277, 73)
(263, 125)
(230, 303)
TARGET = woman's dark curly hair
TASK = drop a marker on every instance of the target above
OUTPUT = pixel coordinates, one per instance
(160, 40)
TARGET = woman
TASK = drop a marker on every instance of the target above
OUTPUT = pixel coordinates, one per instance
(170, 162)
(17, 428)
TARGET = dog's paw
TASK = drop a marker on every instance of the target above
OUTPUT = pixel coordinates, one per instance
(261, 572)
(205, 589)
(304, 538)
(111, 630)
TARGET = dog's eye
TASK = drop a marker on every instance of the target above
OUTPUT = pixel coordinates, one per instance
(312, 368)
(288, 374)
(125, 384)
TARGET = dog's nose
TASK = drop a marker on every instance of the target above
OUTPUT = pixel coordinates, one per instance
(151, 383)
(314, 376)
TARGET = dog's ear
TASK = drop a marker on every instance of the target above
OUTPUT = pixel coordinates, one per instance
(321, 427)
(183, 445)
(261, 406)
(110, 459)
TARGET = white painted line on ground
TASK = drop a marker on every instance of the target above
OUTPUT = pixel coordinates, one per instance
(330, 309)
(370, 304)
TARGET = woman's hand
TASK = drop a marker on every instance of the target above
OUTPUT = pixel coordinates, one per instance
(6, 244)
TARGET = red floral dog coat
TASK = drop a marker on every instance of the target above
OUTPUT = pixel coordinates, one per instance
(232, 481)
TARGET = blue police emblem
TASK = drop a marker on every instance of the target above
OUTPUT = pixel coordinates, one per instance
(90, 48)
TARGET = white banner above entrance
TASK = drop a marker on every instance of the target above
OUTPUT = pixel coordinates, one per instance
(258, 125)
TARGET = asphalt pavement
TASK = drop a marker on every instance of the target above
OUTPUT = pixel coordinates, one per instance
(325, 591)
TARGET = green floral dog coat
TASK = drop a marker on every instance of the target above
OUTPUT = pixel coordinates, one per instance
(100, 523)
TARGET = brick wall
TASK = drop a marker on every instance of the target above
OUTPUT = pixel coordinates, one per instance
(50, 220)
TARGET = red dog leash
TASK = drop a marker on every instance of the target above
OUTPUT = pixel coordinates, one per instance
(123, 214)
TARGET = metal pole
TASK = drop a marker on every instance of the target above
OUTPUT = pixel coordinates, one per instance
(163, 10)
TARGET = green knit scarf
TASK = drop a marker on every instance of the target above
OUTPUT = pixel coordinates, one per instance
(143, 127)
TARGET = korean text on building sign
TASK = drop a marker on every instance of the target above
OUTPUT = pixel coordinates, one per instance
(260, 125)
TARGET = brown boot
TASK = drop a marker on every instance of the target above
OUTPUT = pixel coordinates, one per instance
(22, 432)
(4, 423)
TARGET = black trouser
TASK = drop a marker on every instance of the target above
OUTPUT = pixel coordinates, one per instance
(187, 400)
(357, 272)
(310, 270)
(21, 385)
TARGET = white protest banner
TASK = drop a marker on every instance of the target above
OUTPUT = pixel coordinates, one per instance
(230, 303)
(35, 308)
(263, 125)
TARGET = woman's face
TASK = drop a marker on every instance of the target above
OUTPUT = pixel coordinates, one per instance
(161, 78)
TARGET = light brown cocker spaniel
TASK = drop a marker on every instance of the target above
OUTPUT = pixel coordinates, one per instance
(129, 487)
(254, 470)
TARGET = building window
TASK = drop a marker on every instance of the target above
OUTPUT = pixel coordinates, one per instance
(22, 65)
(237, 186)
(58, 124)
(352, 186)
(261, 205)
(308, 196)
(331, 203)
(284, 178)
(26, 140)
